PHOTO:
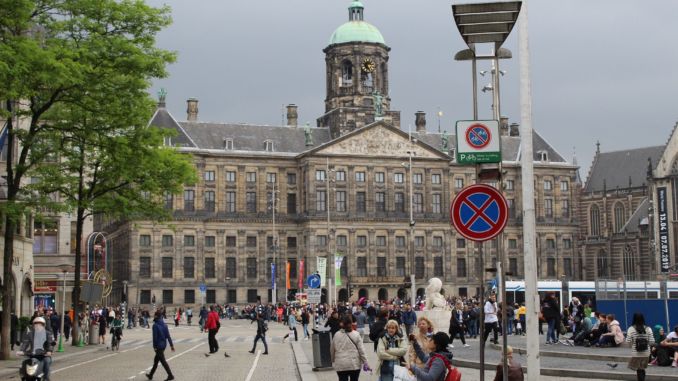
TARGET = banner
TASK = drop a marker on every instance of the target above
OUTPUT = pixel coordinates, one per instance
(272, 275)
(337, 270)
(663, 223)
(287, 275)
(321, 266)
(300, 276)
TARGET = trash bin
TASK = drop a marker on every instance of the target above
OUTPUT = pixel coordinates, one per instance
(321, 350)
(93, 334)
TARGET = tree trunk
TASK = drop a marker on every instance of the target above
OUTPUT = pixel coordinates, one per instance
(80, 220)
(7, 296)
(8, 252)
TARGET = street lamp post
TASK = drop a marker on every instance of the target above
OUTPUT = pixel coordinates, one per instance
(64, 270)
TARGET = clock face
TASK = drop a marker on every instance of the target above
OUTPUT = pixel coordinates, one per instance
(368, 66)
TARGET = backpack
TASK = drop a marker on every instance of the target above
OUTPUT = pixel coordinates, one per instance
(453, 373)
(642, 343)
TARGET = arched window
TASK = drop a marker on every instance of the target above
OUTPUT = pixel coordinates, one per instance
(619, 217)
(594, 220)
(603, 264)
(346, 73)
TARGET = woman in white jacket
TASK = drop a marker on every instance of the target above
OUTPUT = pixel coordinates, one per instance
(391, 348)
(348, 353)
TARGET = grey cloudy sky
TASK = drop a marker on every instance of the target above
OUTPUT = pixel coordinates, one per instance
(602, 69)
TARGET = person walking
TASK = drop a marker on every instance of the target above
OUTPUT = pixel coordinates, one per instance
(409, 319)
(262, 327)
(641, 338)
(458, 325)
(212, 326)
(347, 351)
(304, 322)
(203, 318)
(102, 328)
(491, 319)
(292, 325)
(161, 337)
(551, 312)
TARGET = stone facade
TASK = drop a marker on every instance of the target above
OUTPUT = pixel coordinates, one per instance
(342, 187)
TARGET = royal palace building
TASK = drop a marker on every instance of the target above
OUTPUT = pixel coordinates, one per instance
(290, 194)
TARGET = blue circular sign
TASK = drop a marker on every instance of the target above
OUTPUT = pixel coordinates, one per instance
(313, 281)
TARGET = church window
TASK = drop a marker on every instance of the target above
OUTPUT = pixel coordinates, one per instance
(618, 217)
(594, 220)
(603, 264)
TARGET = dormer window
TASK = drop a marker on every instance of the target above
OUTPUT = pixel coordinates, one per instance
(168, 141)
(543, 155)
(269, 145)
(228, 144)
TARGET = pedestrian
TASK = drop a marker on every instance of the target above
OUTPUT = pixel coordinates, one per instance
(292, 324)
(551, 312)
(54, 322)
(491, 319)
(457, 324)
(177, 317)
(203, 318)
(378, 327)
(435, 363)
(424, 332)
(262, 327)
(334, 323)
(347, 351)
(641, 338)
(102, 329)
(304, 322)
(515, 370)
(161, 336)
(390, 350)
(212, 326)
(189, 315)
(409, 319)
(67, 326)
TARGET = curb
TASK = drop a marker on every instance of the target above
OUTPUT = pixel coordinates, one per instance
(574, 373)
(304, 367)
(576, 355)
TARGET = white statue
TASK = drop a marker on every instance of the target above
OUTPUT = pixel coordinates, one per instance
(434, 299)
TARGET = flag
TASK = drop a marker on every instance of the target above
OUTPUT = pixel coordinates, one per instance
(287, 273)
(300, 276)
(337, 270)
(322, 270)
(272, 275)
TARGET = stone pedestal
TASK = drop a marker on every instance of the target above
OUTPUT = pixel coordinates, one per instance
(439, 318)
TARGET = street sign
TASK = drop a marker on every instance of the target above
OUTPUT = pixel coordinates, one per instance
(478, 141)
(313, 295)
(203, 288)
(479, 212)
(313, 281)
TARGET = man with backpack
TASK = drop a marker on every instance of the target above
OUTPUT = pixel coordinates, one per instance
(262, 327)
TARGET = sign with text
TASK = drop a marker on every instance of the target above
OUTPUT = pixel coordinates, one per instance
(313, 295)
(478, 141)
(322, 270)
(45, 286)
(663, 228)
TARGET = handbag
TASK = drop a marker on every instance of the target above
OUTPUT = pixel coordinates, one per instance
(400, 373)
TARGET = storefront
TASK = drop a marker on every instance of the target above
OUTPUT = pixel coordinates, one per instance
(44, 293)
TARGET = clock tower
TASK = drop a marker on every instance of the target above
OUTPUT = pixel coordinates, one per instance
(357, 76)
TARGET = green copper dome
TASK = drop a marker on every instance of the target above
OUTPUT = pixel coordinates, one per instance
(356, 30)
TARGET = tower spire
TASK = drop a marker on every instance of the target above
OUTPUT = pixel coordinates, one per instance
(355, 11)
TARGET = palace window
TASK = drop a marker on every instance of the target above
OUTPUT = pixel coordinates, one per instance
(461, 267)
(435, 203)
(360, 177)
(230, 267)
(419, 267)
(320, 175)
(251, 202)
(438, 266)
(189, 267)
(230, 202)
(380, 201)
(360, 204)
(361, 266)
(251, 268)
(144, 267)
(210, 271)
(209, 176)
(381, 266)
(144, 240)
(399, 202)
(209, 201)
(400, 266)
(320, 201)
(435, 178)
(189, 200)
(379, 177)
(341, 201)
(167, 264)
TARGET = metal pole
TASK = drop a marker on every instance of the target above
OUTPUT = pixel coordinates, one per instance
(666, 304)
(527, 173)
(475, 87)
(504, 323)
(481, 321)
(274, 295)
(63, 307)
(330, 293)
(413, 291)
(495, 84)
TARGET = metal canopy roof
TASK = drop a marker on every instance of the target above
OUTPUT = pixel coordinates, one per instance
(486, 22)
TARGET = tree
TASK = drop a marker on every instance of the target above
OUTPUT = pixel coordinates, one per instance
(54, 56)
